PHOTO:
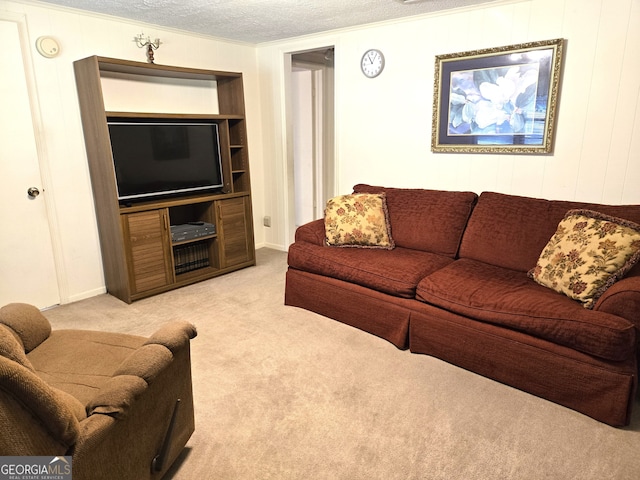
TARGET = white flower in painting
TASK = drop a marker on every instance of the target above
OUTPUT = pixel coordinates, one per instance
(490, 113)
(498, 93)
(507, 88)
(457, 99)
(501, 99)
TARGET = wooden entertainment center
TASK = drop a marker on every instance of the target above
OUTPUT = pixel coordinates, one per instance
(139, 257)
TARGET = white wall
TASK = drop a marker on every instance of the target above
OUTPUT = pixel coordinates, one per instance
(64, 163)
(384, 125)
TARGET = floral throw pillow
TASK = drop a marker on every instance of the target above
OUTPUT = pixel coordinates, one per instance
(589, 252)
(358, 220)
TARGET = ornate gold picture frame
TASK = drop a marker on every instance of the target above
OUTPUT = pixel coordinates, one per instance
(497, 100)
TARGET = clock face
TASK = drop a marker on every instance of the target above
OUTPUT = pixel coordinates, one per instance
(372, 63)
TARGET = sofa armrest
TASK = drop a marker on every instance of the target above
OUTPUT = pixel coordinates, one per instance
(312, 232)
(622, 299)
(27, 324)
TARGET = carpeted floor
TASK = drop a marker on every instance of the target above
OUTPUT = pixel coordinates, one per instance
(282, 393)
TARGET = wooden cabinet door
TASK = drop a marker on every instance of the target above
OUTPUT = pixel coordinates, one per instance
(149, 250)
(235, 231)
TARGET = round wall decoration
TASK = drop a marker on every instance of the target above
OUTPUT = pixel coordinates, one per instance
(372, 63)
(47, 47)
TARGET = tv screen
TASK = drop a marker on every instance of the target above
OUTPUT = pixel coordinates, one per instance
(164, 158)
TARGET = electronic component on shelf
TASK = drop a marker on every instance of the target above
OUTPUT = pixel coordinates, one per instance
(192, 230)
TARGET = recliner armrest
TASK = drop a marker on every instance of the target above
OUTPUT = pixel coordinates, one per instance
(117, 396)
(173, 335)
(23, 395)
(134, 374)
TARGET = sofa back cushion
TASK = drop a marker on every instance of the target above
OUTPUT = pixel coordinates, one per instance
(427, 220)
(511, 231)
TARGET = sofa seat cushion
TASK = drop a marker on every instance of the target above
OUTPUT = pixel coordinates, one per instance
(428, 220)
(509, 298)
(395, 272)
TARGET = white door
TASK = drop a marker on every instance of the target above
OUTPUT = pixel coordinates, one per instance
(304, 161)
(311, 159)
(27, 268)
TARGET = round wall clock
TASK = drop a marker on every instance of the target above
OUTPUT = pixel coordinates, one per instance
(372, 63)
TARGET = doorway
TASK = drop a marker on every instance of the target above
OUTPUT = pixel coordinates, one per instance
(312, 111)
(27, 267)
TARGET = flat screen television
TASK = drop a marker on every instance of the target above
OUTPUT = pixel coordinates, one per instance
(160, 158)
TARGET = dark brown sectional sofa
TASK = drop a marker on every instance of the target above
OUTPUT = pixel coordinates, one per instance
(456, 287)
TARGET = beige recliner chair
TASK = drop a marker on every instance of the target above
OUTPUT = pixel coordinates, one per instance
(121, 405)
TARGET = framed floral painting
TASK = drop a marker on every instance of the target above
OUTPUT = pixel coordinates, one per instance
(497, 100)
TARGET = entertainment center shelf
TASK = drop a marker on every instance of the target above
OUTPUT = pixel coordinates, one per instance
(140, 257)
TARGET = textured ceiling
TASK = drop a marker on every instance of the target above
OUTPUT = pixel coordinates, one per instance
(258, 21)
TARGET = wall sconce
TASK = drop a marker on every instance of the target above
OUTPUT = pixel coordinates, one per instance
(144, 41)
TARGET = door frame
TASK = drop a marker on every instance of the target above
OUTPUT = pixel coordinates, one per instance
(41, 150)
(315, 131)
(325, 102)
